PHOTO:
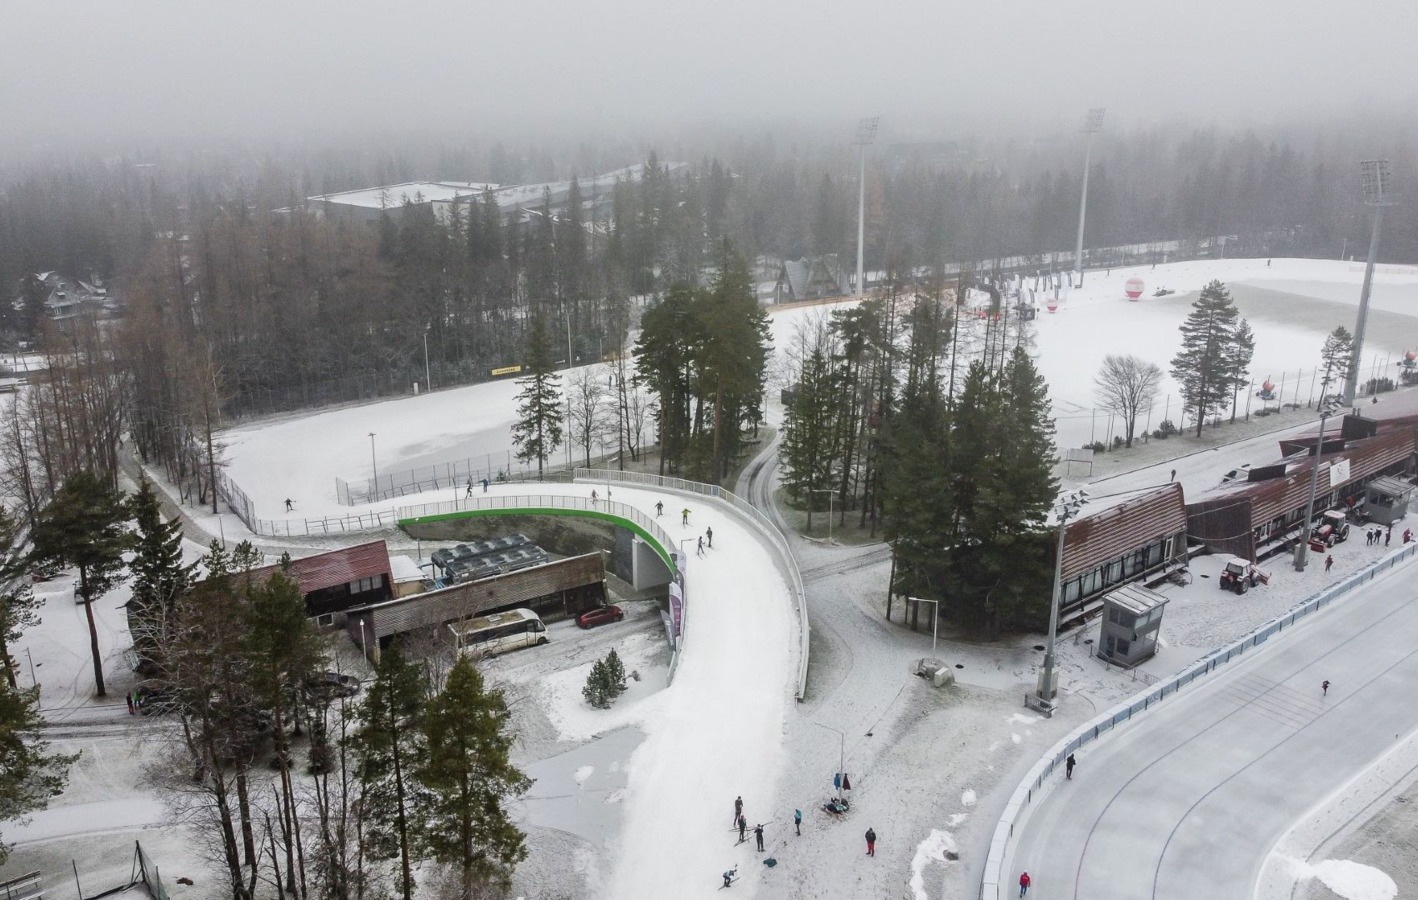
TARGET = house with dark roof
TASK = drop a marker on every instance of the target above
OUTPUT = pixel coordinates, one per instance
(809, 279)
(341, 579)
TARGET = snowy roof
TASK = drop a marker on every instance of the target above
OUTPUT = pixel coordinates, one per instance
(1135, 598)
(394, 195)
(403, 568)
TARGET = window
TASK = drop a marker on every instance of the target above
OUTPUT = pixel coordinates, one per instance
(366, 584)
(1123, 647)
(326, 620)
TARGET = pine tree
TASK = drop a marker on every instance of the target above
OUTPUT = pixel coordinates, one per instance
(595, 690)
(83, 527)
(615, 674)
(1205, 365)
(17, 601)
(29, 774)
(537, 431)
(467, 777)
(1334, 357)
(810, 427)
(733, 360)
(390, 746)
(159, 576)
(1243, 348)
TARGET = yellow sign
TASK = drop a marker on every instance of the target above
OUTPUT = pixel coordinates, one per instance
(506, 370)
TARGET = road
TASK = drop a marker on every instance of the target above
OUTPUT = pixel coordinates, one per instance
(1188, 800)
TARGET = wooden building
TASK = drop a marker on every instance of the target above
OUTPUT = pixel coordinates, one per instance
(1127, 540)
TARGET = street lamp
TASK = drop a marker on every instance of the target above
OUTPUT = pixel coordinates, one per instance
(1327, 409)
(374, 463)
(1048, 680)
(1092, 124)
(1376, 184)
(841, 756)
(866, 134)
(427, 377)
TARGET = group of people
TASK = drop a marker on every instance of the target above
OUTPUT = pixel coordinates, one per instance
(741, 823)
(1373, 535)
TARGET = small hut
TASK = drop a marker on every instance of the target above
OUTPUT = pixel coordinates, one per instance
(1386, 499)
(1132, 616)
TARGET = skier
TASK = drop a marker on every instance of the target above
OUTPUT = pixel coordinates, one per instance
(1328, 563)
(594, 496)
(758, 835)
(743, 827)
(730, 875)
(798, 821)
(701, 547)
(1174, 475)
(659, 508)
(1068, 766)
(684, 516)
(1024, 884)
(709, 533)
(469, 492)
(738, 809)
(1324, 688)
(871, 842)
(289, 505)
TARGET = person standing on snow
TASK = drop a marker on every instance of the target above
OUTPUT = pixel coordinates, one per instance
(659, 508)
(758, 834)
(738, 809)
(871, 842)
(469, 492)
(798, 821)
(743, 827)
(1324, 689)
(684, 516)
(709, 535)
(1328, 563)
(700, 549)
(1068, 766)
(1024, 881)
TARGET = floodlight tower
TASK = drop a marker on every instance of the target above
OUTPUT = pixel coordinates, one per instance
(1376, 194)
(866, 134)
(1092, 124)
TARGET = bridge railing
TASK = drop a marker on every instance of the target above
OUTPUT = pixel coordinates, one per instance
(786, 561)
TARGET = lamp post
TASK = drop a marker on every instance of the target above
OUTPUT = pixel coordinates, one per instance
(1375, 182)
(374, 463)
(427, 376)
(1092, 124)
(1302, 549)
(1048, 681)
(33, 679)
(866, 134)
(841, 755)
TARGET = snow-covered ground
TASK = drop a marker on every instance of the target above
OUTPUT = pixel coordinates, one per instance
(1291, 304)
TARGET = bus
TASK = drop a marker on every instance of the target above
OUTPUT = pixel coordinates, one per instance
(499, 633)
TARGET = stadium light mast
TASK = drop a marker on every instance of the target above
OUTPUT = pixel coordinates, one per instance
(1092, 124)
(1376, 184)
(866, 134)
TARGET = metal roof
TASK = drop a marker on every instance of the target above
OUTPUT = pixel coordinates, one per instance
(1135, 598)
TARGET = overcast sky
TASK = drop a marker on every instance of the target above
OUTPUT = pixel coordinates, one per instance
(119, 68)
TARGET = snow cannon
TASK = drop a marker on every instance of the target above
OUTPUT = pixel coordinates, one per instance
(1052, 305)
(1134, 287)
(1409, 358)
(1267, 390)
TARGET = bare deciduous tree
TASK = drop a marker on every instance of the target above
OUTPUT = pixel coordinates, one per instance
(1126, 385)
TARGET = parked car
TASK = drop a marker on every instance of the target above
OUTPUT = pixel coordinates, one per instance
(331, 686)
(600, 616)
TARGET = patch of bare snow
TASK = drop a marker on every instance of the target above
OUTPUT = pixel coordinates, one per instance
(932, 849)
(1354, 880)
(968, 798)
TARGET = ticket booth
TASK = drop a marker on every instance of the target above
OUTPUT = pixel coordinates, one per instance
(1132, 616)
(1386, 500)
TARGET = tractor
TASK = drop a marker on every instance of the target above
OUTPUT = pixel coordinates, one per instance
(1332, 528)
(1238, 575)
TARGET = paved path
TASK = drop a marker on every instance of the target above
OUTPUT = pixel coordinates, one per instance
(1187, 801)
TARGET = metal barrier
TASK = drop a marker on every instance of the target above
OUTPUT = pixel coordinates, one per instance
(994, 885)
(785, 559)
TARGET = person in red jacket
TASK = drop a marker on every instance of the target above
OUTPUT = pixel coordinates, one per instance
(1023, 884)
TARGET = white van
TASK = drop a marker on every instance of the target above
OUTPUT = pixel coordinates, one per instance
(499, 633)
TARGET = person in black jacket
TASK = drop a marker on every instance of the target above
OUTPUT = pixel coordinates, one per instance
(871, 842)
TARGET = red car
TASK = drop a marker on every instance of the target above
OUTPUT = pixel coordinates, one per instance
(600, 616)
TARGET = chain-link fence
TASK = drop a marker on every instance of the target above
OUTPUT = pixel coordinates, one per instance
(456, 474)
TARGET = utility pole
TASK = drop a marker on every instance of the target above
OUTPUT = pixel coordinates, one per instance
(1092, 124)
(1328, 407)
(1048, 681)
(1375, 184)
(866, 134)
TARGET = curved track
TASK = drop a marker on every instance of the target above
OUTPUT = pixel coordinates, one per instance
(1189, 800)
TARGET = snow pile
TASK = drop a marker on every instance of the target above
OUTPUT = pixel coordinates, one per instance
(1351, 880)
(933, 848)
